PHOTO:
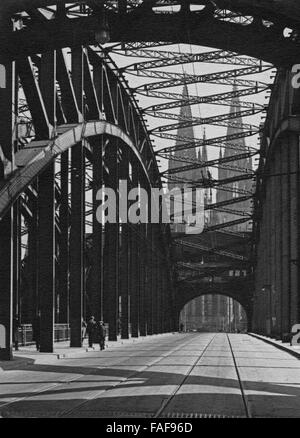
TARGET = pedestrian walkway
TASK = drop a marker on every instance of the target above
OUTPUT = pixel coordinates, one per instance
(171, 375)
(62, 350)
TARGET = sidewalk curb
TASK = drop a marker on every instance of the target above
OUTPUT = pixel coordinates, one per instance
(274, 344)
(27, 360)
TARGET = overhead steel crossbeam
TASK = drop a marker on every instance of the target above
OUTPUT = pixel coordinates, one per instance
(173, 79)
(240, 235)
(230, 211)
(122, 48)
(218, 205)
(227, 224)
(233, 211)
(203, 164)
(227, 99)
(220, 120)
(168, 58)
(198, 246)
(186, 160)
(190, 143)
(210, 183)
(205, 271)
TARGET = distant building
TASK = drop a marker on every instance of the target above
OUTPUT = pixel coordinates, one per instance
(225, 171)
(213, 312)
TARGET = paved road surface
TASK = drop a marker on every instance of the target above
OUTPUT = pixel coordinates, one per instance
(162, 376)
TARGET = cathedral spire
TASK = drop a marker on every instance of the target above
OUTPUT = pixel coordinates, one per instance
(204, 153)
(189, 154)
(235, 108)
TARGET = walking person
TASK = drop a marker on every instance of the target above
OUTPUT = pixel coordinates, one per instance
(36, 330)
(83, 329)
(91, 330)
(101, 333)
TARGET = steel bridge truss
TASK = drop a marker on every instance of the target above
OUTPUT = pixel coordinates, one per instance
(75, 126)
(84, 131)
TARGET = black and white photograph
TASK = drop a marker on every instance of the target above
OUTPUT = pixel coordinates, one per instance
(149, 212)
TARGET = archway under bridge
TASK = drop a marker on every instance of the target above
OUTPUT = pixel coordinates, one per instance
(213, 313)
(240, 290)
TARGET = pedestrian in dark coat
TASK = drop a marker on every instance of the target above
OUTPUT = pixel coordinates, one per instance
(83, 329)
(91, 330)
(101, 333)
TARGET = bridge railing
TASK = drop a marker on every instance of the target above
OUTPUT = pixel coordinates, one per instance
(25, 334)
(61, 333)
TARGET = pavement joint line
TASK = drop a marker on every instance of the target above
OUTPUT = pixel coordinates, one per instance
(49, 387)
(143, 369)
(275, 344)
(245, 401)
(168, 400)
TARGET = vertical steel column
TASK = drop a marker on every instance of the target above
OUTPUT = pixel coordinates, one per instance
(46, 258)
(124, 251)
(33, 256)
(269, 263)
(134, 262)
(64, 213)
(149, 304)
(285, 235)
(16, 258)
(167, 300)
(7, 120)
(155, 296)
(142, 270)
(6, 281)
(159, 286)
(277, 199)
(279, 232)
(77, 233)
(98, 229)
(96, 304)
(111, 257)
(46, 214)
(294, 227)
(142, 252)
(163, 299)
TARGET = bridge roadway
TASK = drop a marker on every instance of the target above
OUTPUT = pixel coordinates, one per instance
(161, 376)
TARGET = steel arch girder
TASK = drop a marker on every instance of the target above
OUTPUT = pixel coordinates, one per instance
(44, 155)
(253, 40)
(285, 8)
